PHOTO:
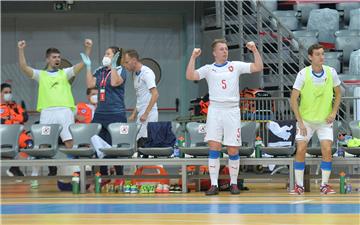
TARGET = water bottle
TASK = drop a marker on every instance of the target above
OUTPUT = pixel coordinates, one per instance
(348, 187)
(176, 151)
(258, 145)
(181, 141)
(342, 183)
(75, 183)
(97, 182)
(340, 150)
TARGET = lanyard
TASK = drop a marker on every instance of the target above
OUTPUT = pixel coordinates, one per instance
(103, 80)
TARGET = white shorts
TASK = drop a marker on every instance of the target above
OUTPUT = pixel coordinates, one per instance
(152, 117)
(224, 125)
(324, 131)
(59, 115)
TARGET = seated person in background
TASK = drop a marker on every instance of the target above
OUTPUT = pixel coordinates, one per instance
(13, 113)
(85, 111)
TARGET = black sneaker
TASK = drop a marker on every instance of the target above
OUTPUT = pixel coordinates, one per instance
(14, 171)
(52, 171)
(214, 190)
(172, 188)
(234, 189)
(177, 189)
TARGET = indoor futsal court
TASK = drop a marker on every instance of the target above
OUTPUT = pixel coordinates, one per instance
(180, 112)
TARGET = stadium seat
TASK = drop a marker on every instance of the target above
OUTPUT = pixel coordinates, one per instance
(315, 149)
(45, 137)
(354, 19)
(9, 139)
(333, 59)
(305, 9)
(161, 151)
(123, 137)
(355, 131)
(248, 134)
(81, 134)
(197, 146)
(347, 41)
(306, 38)
(354, 66)
(276, 151)
(345, 8)
(287, 18)
(326, 21)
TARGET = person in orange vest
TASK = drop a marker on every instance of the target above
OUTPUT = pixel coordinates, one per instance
(13, 113)
(85, 111)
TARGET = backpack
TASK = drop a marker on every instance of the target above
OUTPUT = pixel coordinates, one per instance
(249, 107)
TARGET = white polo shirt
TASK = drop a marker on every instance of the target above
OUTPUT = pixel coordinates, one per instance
(223, 81)
(143, 82)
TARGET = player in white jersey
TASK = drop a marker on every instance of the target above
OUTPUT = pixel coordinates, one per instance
(223, 119)
(146, 92)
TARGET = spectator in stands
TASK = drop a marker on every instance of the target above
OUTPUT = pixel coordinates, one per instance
(109, 79)
(53, 83)
(13, 113)
(223, 119)
(146, 93)
(85, 111)
(315, 85)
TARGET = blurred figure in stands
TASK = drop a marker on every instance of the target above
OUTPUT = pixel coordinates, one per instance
(13, 113)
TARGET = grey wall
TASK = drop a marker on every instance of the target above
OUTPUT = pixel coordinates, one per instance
(163, 31)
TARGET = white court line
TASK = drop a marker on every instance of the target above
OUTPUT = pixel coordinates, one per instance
(300, 202)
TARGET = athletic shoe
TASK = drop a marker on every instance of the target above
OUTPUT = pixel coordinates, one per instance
(165, 188)
(177, 189)
(143, 189)
(14, 171)
(134, 189)
(298, 190)
(234, 189)
(127, 188)
(34, 184)
(159, 188)
(326, 189)
(214, 190)
(172, 188)
(151, 188)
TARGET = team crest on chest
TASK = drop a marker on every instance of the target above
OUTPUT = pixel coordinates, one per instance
(231, 68)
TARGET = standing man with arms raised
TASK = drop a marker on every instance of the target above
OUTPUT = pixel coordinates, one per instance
(223, 119)
(55, 100)
(316, 85)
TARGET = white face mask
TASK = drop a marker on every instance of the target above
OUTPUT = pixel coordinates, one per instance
(8, 97)
(106, 61)
(94, 99)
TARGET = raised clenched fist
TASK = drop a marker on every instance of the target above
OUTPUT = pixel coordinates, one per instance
(21, 44)
(88, 43)
(196, 52)
(251, 46)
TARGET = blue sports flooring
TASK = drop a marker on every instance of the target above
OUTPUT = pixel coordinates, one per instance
(181, 208)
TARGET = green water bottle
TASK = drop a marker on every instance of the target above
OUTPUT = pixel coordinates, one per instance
(75, 183)
(258, 145)
(342, 183)
(97, 182)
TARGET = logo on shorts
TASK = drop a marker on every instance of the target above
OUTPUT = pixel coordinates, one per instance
(231, 68)
(2, 111)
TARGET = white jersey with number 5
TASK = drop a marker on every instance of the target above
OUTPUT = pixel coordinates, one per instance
(223, 80)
